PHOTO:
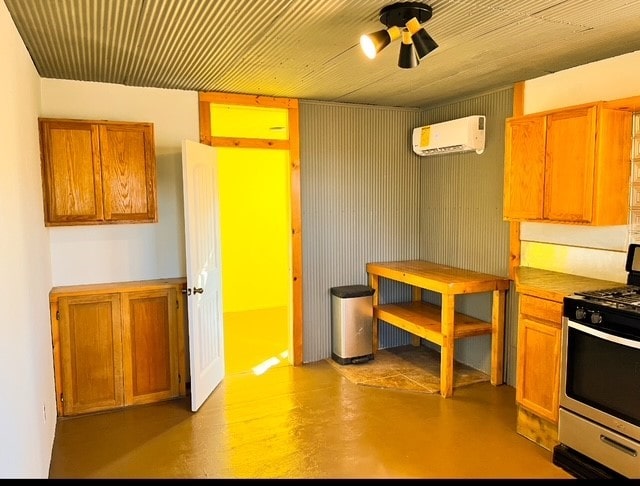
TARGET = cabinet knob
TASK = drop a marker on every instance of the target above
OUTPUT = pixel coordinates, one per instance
(197, 290)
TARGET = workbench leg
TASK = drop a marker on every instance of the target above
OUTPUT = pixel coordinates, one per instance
(374, 284)
(416, 296)
(447, 347)
(497, 337)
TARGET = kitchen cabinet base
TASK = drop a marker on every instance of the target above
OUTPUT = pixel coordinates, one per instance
(118, 344)
(535, 428)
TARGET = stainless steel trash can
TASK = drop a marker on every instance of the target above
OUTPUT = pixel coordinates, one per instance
(352, 324)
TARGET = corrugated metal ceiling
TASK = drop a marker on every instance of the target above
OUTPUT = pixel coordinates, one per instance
(309, 49)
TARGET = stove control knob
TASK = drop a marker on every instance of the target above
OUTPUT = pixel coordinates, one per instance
(580, 313)
(596, 318)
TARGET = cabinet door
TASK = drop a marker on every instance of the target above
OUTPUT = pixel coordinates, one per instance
(72, 184)
(91, 354)
(613, 168)
(524, 168)
(128, 172)
(150, 344)
(538, 369)
(570, 166)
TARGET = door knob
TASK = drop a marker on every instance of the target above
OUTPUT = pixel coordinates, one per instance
(197, 290)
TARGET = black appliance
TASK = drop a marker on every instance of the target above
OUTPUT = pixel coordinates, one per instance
(599, 418)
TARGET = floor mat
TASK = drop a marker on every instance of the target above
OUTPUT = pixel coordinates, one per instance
(412, 368)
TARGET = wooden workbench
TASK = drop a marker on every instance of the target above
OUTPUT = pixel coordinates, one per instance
(441, 325)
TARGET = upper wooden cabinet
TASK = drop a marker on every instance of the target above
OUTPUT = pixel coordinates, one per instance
(569, 166)
(96, 172)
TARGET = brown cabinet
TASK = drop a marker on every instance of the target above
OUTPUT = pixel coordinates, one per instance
(97, 172)
(150, 345)
(541, 294)
(91, 353)
(571, 166)
(539, 334)
(117, 345)
(538, 370)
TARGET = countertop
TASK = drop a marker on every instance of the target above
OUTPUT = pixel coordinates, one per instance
(555, 285)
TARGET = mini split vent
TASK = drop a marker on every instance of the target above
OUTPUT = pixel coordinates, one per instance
(460, 135)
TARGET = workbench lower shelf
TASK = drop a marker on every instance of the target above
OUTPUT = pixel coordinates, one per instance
(424, 320)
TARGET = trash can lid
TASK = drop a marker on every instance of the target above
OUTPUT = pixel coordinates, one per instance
(348, 291)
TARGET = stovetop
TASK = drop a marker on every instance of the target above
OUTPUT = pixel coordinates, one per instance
(614, 308)
(624, 296)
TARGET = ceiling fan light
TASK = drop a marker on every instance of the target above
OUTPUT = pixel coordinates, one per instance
(408, 58)
(422, 41)
(373, 43)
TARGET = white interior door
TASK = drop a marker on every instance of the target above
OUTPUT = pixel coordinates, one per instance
(204, 273)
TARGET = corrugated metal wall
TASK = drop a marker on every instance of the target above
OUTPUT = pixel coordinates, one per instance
(359, 185)
(461, 220)
(367, 197)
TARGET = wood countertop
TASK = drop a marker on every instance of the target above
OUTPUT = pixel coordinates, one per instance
(555, 285)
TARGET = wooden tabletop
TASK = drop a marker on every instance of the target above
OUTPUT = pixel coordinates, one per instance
(438, 278)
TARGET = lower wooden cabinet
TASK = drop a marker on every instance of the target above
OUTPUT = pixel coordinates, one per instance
(118, 344)
(538, 370)
(90, 353)
(150, 345)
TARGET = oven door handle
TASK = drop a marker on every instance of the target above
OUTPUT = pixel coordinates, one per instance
(603, 335)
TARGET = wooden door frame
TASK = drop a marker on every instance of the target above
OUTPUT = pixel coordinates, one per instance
(205, 99)
(514, 226)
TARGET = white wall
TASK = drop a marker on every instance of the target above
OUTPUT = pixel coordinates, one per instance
(34, 258)
(609, 79)
(27, 407)
(124, 252)
(592, 252)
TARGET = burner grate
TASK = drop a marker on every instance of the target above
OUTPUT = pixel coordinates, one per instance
(627, 295)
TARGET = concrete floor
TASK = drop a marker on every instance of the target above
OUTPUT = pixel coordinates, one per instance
(306, 422)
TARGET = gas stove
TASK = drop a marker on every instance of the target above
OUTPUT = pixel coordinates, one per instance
(599, 413)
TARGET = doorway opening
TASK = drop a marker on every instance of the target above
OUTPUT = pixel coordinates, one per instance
(258, 156)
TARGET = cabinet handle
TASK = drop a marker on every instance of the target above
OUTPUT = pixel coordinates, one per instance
(197, 290)
(186, 291)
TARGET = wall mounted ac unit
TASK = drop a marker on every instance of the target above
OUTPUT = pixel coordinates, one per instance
(460, 135)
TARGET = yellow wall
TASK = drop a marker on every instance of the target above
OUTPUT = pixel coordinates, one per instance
(255, 228)
(249, 121)
(254, 209)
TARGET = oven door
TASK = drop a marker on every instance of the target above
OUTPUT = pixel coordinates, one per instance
(600, 377)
